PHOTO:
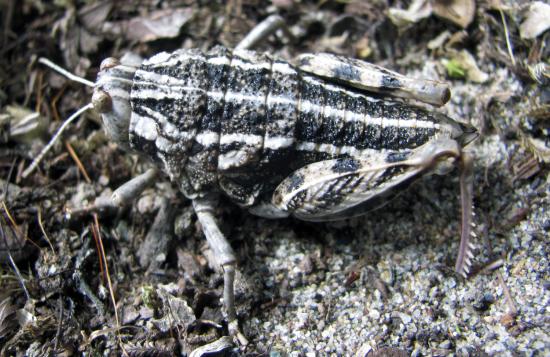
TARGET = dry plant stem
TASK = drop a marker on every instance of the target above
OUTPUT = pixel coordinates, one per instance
(508, 296)
(78, 162)
(47, 148)
(95, 234)
(108, 277)
(43, 230)
(39, 93)
(10, 217)
(492, 266)
(54, 101)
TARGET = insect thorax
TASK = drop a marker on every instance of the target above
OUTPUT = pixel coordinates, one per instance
(241, 122)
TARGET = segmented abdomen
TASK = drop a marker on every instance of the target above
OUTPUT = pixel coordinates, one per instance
(242, 121)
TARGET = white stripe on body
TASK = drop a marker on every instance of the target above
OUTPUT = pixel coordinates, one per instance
(247, 139)
(168, 129)
(207, 138)
(175, 88)
(145, 127)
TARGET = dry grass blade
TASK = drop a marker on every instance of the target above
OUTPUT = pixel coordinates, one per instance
(78, 162)
(507, 36)
(97, 234)
(41, 225)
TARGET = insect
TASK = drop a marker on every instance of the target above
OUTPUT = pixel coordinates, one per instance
(318, 140)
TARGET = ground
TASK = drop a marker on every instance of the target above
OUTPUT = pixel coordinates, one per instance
(382, 284)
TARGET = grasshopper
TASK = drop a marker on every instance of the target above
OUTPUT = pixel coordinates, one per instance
(317, 139)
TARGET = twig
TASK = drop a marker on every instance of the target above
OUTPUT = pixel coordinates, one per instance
(12, 220)
(55, 100)
(39, 93)
(492, 266)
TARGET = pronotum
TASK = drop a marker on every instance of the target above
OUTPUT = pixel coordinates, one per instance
(309, 139)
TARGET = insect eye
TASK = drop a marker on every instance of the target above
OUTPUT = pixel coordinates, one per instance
(102, 101)
(109, 62)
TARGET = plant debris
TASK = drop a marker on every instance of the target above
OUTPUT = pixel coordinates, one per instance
(156, 25)
(459, 12)
(536, 20)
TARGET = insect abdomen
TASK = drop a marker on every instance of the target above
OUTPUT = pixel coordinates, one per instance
(339, 121)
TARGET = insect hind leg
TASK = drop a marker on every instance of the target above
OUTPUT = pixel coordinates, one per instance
(131, 189)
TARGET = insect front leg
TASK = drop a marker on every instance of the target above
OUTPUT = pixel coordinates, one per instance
(131, 189)
(225, 256)
(372, 78)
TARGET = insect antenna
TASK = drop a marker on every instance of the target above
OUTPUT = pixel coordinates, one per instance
(52, 141)
(71, 76)
(47, 148)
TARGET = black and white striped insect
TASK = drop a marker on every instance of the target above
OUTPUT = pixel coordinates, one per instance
(318, 140)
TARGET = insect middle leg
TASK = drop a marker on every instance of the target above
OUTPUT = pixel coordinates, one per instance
(133, 188)
(225, 256)
(265, 28)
